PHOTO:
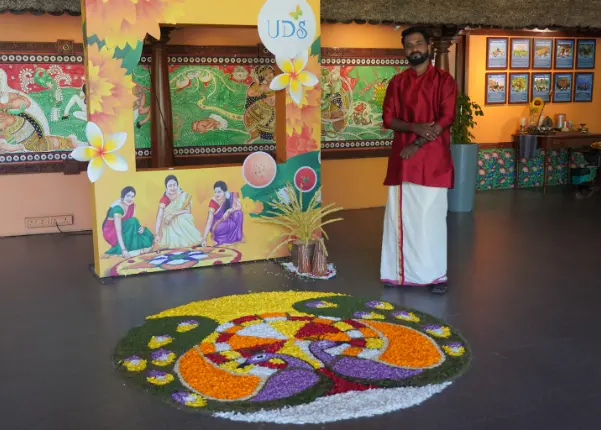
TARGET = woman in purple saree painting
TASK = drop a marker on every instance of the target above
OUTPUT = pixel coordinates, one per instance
(225, 218)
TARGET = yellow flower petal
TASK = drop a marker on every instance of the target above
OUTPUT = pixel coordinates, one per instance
(307, 79)
(285, 65)
(95, 168)
(94, 135)
(296, 91)
(114, 142)
(280, 82)
(84, 153)
(300, 62)
(115, 161)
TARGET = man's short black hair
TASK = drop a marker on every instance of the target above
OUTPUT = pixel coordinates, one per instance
(413, 30)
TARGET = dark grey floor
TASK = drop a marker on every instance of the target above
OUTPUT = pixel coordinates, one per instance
(526, 293)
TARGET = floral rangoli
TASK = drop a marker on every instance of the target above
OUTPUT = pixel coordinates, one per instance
(176, 259)
(292, 357)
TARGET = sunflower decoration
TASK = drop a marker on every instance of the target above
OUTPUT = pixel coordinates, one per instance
(536, 107)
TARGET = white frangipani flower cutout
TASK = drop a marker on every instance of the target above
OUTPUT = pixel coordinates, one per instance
(101, 151)
(294, 76)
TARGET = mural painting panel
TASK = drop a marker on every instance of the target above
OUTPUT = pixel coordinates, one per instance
(42, 106)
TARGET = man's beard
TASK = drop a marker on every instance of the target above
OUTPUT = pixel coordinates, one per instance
(416, 59)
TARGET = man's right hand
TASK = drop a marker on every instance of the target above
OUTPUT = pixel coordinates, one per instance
(425, 130)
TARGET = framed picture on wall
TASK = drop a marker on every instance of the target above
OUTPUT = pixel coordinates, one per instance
(564, 53)
(542, 54)
(520, 53)
(583, 87)
(541, 87)
(496, 52)
(496, 88)
(562, 87)
(585, 53)
(519, 85)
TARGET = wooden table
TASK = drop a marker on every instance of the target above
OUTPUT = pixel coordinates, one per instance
(569, 141)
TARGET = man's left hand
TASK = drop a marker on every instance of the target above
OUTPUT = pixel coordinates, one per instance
(409, 151)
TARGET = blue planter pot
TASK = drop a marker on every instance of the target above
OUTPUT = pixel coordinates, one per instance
(465, 160)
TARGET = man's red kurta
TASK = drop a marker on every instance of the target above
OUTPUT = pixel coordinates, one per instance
(421, 99)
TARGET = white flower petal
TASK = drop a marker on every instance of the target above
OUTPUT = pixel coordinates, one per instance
(300, 62)
(114, 142)
(280, 82)
(285, 64)
(84, 153)
(94, 135)
(296, 91)
(95, 168)
(115, 161)
(307, 79)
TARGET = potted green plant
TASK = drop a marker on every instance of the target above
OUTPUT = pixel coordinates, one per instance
(303, 228)
(465, 155)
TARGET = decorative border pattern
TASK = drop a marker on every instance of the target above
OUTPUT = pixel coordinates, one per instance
(366, 61)
(386, 143)
(40, 58)
(236, 149)
(34, 157)
(226, 149)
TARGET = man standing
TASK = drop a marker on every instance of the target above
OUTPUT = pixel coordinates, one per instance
(419, 107)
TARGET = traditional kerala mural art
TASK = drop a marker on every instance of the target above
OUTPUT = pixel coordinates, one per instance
(42, 104)
(228, 108)
(222, 101)
(352, 99)
(148, 221)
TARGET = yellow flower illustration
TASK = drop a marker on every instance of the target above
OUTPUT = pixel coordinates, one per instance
(294, 76)
(101, 151)
(125, 22)
(110, 90)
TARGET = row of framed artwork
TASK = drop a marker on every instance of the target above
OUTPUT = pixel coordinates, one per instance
(558, 87)
(539, 53)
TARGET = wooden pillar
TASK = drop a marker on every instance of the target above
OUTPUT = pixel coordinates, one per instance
(160, 103)
(461, 63)
(442, 39)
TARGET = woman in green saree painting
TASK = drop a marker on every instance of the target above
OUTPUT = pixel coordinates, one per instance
(122, 230)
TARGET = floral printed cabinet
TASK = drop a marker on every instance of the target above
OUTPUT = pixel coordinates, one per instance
(496, 168)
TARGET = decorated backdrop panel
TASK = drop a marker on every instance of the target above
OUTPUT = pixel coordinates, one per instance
(146, 221)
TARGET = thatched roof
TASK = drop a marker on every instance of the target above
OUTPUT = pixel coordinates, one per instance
(475, 13)
(55, 7)
(485, 13)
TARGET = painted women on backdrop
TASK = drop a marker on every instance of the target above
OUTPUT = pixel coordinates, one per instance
(259, 114)
(122, 230)
(175, 223)
(225, 218)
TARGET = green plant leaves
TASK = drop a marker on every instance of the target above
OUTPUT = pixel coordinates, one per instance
(464, 119)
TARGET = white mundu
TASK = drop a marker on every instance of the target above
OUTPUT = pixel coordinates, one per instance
(414, 244)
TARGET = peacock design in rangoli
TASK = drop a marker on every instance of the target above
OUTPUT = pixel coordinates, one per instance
(265, 360)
